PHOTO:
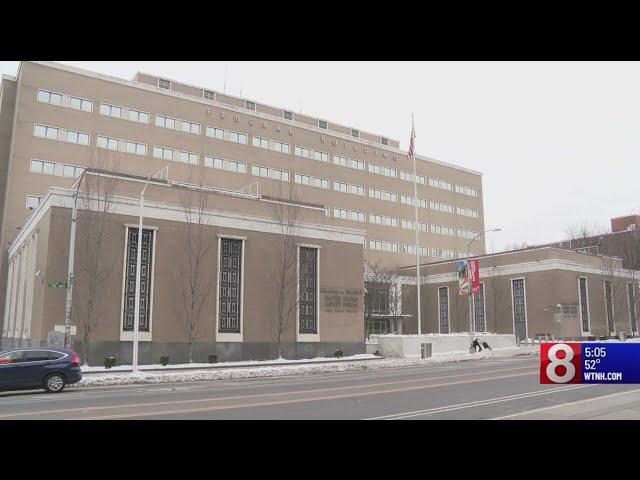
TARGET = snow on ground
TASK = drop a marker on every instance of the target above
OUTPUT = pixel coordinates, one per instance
(303, 368)
(366, 356)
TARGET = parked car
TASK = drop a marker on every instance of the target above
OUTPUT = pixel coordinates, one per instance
(48, 368)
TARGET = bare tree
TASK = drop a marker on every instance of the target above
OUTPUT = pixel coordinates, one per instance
(96, 194)
(283, 276)
(194, 279)
(615, 285)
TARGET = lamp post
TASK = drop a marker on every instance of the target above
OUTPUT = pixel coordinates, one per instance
(469, 273)
(136, 321)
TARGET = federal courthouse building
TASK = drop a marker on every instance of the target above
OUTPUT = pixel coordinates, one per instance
(248, 170)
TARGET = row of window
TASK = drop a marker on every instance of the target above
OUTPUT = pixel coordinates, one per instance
(57, 169)
(195, 128)
(393, 247)
(287, 114)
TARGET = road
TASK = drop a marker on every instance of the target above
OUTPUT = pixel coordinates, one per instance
(487, 389)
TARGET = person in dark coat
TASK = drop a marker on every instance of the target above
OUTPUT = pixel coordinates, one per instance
(476, 346)
(486, 345)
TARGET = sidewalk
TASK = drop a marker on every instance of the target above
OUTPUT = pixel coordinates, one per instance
(616, 406)
(98, 376)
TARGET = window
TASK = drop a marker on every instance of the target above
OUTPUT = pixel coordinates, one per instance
(190, 127)
(230, 285)
(12, 357)
(49, 97)
(258, 171)
(146, 280)
(421, 179)
(519, 309)
(471, 191)
(165, 122)
(238, 137)
(249, 105)
(443, 309)
(406, 200)
(110, 110)
(215, 133)
(261, 142)
(72, 171)
(632, 308)
(408, 224)
(441, 207)
(38, 166)
(467, 212)
(383, 195)
(136, 148)
(306, 153)
(386, 171)
(468, 234)
(209, 95)
(405, 176)
(32, 202)
(140, 117)
(229, 165)
(609, 305)
(307, 290)
(348, 188)
(479, 323)
(584, 304)
(164, 153)
(383, 246)
(77, 137)
(434, 182)
(280, 147)
(80, 104)
(383, 220)
(45, 132)
(164, 84)
(440, 230)
(355, 133)
(312, 181)
(349, 215)
(190, 158)
(108, 143)
(384, 141)
(287, 114)
(322, 124)
(348, 162)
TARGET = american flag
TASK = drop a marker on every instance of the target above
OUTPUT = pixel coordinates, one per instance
(413, 135)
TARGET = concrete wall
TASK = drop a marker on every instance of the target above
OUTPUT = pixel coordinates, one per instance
(410, 345)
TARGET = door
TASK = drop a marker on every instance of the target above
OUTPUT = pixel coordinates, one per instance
(34, 366)
(519, 309)
(10, 364)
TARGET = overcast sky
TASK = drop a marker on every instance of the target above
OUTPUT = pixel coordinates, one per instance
(558, 142)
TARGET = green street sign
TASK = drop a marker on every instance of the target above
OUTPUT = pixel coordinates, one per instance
(59, 284)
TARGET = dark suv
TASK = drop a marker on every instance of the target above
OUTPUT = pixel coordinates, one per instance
(48, 368)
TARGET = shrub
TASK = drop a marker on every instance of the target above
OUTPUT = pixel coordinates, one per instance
(213, 358)
(164, 360)
(109, 362)
(338, 354)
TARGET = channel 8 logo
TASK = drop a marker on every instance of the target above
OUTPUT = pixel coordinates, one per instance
(560, 363)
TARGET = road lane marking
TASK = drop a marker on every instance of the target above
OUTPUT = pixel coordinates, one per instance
(592, 399)
(168, 402)
(477, 403)
(300, 400)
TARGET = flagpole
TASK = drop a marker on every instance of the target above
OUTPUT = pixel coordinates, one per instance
(415, 204)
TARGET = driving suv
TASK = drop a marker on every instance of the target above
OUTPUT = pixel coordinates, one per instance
(48, 368)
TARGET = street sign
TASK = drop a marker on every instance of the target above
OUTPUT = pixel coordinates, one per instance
(59, 284)
(60, 328)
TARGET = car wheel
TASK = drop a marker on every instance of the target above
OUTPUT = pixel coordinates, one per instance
(54, 383)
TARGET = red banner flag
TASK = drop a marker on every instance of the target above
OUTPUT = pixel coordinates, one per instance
(475, 277)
